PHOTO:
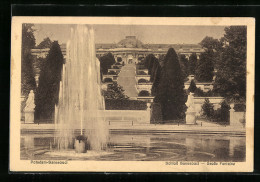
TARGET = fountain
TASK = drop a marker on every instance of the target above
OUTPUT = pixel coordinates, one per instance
(81, 102)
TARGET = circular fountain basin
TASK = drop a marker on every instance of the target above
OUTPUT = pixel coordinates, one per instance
(74, 154)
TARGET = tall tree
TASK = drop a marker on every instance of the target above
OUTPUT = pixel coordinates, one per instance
(215, 45)
(171, 93)
(149, 62)
(192, 63)
(27, 75)
(230, 80)
(205, 67)
(211, 43)
(46, 43)
(47, 94)
(184, 62)
(106, 62)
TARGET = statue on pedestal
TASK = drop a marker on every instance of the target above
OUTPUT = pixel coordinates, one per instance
(190, 113)
(29, 108)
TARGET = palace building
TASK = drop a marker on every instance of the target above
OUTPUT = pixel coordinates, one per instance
(130, 49)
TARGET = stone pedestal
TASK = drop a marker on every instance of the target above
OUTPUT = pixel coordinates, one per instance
(190, 113)
(235, 117)
(190, 117)
(29, 116)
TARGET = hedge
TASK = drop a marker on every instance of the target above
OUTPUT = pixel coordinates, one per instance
(113, 104)
(144, 93)
(108, 80)
(142, 81)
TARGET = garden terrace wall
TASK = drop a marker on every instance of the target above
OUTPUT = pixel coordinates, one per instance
(146, 87)
(122, 116)
(115, 70)
(146, 77)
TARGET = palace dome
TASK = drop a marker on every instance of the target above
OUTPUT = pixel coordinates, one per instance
(130, 42)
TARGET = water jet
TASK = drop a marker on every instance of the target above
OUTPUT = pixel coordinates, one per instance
(81, 102)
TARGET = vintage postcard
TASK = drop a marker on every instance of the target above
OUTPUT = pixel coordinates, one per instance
(132, 94)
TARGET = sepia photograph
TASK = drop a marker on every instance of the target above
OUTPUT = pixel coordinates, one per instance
(132, 94)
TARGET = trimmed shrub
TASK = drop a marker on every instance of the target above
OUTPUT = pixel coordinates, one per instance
(207, 109)
(222, 114)
(120, 104)
(144, 93)
(192, 87)
(142, 81)
(225, 114)
(108, 80)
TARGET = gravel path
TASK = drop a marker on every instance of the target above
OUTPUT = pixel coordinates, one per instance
(126, 79)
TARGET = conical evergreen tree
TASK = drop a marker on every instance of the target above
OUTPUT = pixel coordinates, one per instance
(192, 87)
(205, 67)
(171, 93)
(47, 93)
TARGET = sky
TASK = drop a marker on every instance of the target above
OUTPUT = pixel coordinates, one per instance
(148, 34)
